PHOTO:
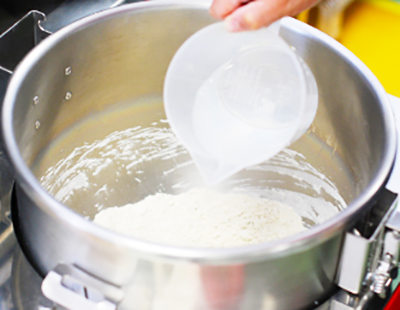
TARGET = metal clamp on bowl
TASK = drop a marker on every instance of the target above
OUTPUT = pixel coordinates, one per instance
(368, 265)
(71, 287)
(363, 264)
(370, 255)
(390, 255)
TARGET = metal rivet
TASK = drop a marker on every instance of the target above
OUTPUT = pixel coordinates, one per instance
(37, 125)
(35, 100)
(68, 71)
(68, 95)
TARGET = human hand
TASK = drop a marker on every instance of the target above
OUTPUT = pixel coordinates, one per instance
(240, 15)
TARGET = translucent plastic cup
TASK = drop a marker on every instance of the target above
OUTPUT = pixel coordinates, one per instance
(237, 99)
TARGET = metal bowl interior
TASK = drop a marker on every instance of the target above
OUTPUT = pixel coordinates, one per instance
(106, 73)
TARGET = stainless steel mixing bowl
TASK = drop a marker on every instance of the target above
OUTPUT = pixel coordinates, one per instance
(121, 55)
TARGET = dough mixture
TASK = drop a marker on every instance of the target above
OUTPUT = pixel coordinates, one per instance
(203, 218)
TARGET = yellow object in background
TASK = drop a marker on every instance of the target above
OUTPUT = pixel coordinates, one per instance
(303, 16)
(371, 30)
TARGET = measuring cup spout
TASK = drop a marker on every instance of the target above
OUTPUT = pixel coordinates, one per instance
(213, 170)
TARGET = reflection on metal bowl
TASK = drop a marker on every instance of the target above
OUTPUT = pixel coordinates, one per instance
(121, 56)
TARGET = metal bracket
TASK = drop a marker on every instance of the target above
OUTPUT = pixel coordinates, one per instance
(69, 12)
(390, 255)
(19, 39)
(367, 263)
(73, 288)
(15, 43)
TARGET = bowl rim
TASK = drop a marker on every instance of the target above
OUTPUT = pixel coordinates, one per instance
(269, 250)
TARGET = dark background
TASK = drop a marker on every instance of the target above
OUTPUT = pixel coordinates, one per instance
(13, 10)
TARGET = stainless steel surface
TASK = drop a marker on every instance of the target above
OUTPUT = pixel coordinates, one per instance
(23, 285)
(4, 77)
(389, 260)
(382, 276)
(394, 221)
(346, 301)
(71, 287)
(354, 260)
(19, 39)
(106, 50)
(15, 43)
(367, 262)
(394, 181)
(20, 288)
(392, 245)
(71, 11)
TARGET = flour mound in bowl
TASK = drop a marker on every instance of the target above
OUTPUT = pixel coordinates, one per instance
(203, 218)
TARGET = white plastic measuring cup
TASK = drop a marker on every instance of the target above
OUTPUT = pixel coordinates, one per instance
(237, 99)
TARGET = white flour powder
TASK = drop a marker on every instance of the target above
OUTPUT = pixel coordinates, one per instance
(203, 218)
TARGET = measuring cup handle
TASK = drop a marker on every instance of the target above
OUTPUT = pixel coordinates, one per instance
(394, 180)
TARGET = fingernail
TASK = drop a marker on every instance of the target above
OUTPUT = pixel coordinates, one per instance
(233, 25)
